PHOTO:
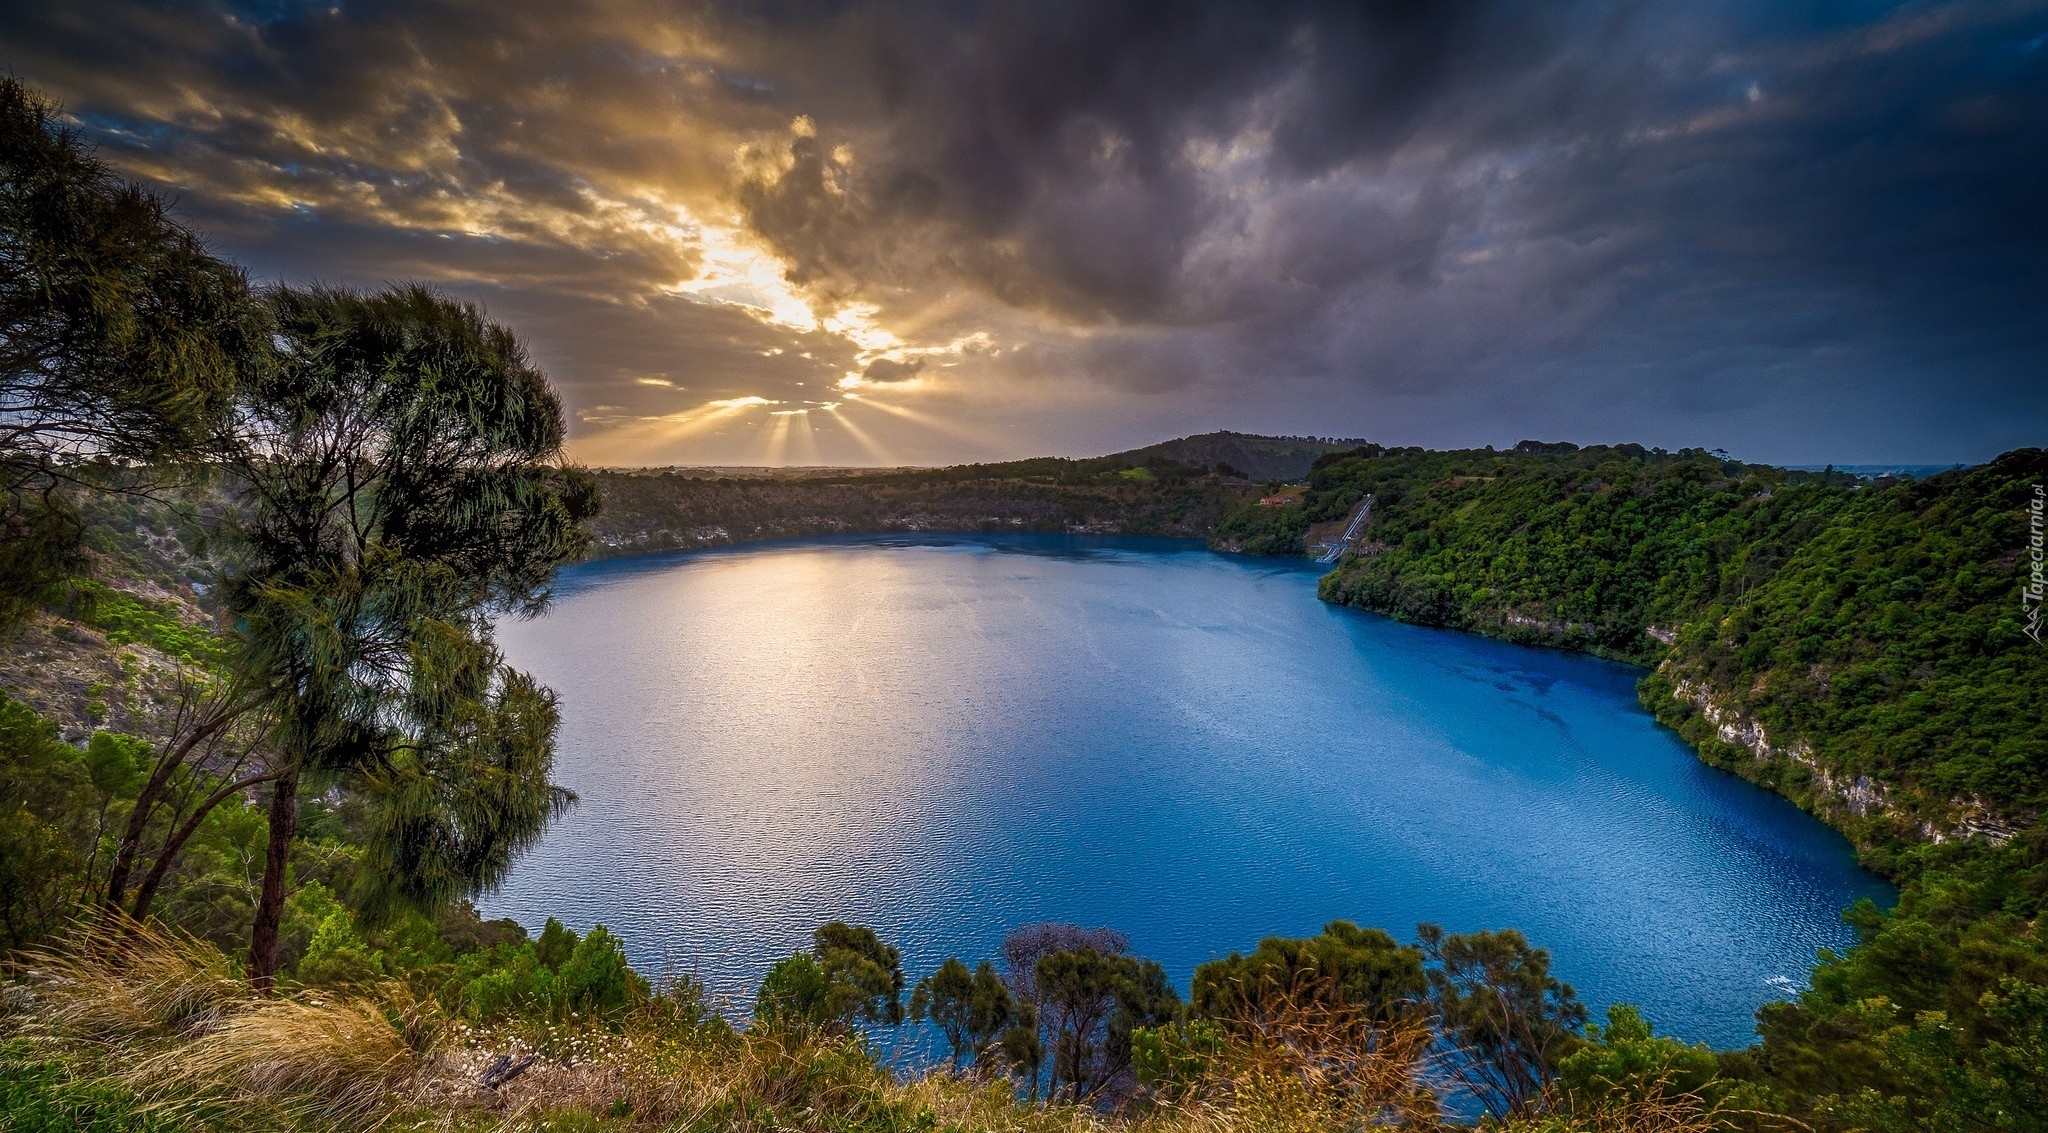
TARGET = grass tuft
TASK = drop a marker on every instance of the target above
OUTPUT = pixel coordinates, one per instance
(166, 1017)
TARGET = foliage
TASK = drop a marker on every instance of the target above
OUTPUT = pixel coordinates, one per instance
(1092, 1003)
(972, 1009)
(652, 511)
(1588, 549)
(1508, 1021)
(1945, 1082)
(46, 800)
(127, 619)
(1310, 1065)
(1625, 1062)
(863, 976)
(121, 338)
(1926, 1016)
(1874, 627)
(1859, 646)
(1889, 648)
(596, 982)
(39, 1094)
(1242, 455)
(848, 976)
(172, 1022)
(1346, 964)
(1175, 1054)
(60, 810)
(793, 993)
(559, 977)
(401, 463)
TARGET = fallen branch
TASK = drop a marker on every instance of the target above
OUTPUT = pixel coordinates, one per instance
(505, 1068)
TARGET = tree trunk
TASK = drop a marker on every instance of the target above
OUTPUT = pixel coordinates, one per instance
(146, 802)
(284, 820)
(145, 894)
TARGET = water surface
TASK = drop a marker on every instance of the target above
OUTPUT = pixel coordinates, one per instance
(947, 737)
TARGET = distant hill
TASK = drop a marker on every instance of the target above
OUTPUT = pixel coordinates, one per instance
(1260, 458)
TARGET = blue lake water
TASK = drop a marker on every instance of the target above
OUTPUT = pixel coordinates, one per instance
(946, 737)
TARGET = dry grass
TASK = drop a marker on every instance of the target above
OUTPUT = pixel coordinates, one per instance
(1656, 1109)
(1311, 1066)
(342, 1060)
(667, 1077)
(1308, 1070)
(165, 1016)
(159, 985)
(167, 1020)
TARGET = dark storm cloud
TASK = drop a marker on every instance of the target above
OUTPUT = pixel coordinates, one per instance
(1052, 152)
(1803, 231)
(884, 370)
(1695, 210)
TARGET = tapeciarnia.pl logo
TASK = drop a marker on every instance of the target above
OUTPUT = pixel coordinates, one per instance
(2037, 585)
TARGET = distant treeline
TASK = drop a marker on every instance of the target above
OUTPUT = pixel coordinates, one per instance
(650, 511)
(1179, 488)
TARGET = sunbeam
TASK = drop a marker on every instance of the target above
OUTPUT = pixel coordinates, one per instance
(952, 430)
(874, 450)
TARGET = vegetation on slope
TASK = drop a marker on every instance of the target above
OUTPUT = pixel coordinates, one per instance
(1246, 455)
(165, 1033)
(1862, 647)
(650, 511)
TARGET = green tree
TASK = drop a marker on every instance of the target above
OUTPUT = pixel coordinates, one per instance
(848, 976)
(46, 813)
(402, 473)
(1022, 1048)
(794, 993)
(556, 944)
(596, 981)
(1094, 1002)
(864, 976)
(121, 338)
(1626, 1061)
(1510, 1022)
(1345, 964)
(1145, 1000)
(972, 1009)
(1078, 987)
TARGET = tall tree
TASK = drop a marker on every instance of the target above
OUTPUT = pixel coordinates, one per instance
(405, 486)
(1023, 947)
(1346, 964)
(1509, 1021)
(849, 976)
(864, 976)
(972, 1009)
(1093, 1003)
(121, 338)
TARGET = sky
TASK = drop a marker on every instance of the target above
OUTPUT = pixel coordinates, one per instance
(878, 232)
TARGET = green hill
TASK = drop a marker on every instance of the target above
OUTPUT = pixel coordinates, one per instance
(1257, 457)
(1862, 646)
(1858, 645)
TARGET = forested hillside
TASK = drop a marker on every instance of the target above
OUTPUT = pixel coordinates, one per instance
(1858, 645)
(662, 510)
(1247, 454)
(1862, 647)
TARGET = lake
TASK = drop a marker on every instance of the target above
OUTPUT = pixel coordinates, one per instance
(945, 737)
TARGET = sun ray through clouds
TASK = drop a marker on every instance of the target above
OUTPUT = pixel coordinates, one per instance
(657, 440)
(874, 450)
(950, 429)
